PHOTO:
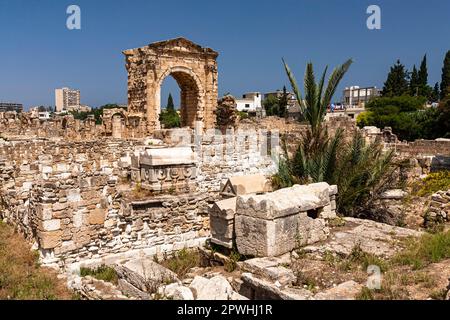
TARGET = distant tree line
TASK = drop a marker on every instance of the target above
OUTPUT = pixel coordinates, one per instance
(402, 105)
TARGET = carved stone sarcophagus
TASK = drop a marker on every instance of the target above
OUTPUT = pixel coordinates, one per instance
(165, 169)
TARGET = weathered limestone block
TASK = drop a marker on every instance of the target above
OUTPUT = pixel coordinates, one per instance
(247, 184)
(216, 288)
(176, 291)
(276, 223)
(270, 269)
(97, 216)
(344, 291)
(256, 288)
(145, 274)
(222, 222)
(50, 240)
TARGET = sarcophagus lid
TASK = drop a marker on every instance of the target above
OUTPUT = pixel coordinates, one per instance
(167, 156)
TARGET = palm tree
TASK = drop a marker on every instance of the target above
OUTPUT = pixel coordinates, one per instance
(316, 154)
(360, 170)
(314, 106)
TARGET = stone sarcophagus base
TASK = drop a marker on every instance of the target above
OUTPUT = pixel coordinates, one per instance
(165, 169)
(278, 222)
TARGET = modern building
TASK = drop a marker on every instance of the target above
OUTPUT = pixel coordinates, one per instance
(79, 108)
(8, 106)
(356, 97)
(65, 98)
(250, 102)
(44, 115)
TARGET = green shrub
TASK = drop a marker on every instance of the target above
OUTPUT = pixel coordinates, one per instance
(432, 183)
(182, 261)
(406, 115)
(242, 115)
(231, 263)
(170, 119)
(428, 249)
(102, 272)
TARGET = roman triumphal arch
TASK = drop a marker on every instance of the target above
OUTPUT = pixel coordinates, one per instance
(192, 66)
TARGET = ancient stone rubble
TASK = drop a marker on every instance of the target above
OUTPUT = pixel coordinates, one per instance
(123, 191)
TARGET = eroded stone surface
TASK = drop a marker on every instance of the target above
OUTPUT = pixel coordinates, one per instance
(145, 274)
(376, 238)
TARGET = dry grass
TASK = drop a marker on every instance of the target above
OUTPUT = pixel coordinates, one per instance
(182, 262)
(21, 277)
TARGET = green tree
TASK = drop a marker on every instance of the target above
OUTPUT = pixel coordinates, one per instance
(272, 105)
(397, 81)
(406, 116)
(436, 93)
(170, 105)
(445, 79)
(423, 88)
(283, 103)
(169, 117)
(414, 82)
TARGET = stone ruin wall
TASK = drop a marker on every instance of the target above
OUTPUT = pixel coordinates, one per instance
(116, 123)
(71, 199)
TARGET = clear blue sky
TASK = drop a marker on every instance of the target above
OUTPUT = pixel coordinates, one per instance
(38, 53)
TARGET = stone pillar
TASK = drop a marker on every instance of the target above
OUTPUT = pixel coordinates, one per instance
(117, 127)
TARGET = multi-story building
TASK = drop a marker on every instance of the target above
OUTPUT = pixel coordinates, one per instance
(65, 98)
(250, 102)
(8, 106)
(356, 97)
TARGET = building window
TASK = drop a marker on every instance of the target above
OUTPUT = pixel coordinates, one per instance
(247, 105)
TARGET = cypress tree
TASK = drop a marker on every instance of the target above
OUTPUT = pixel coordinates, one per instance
(445, 80)
(283, 103)
(397, 81)
(170, 106)
(423, 72)
(436, 93)
(413, 83)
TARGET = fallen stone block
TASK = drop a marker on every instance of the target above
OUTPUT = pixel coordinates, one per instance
(216, 288)
(145, 274)
(256, 288)
(344, 291)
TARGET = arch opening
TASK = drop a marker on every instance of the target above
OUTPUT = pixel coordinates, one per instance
(189, 99)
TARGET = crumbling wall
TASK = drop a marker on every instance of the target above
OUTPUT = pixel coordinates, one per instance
(75, 200)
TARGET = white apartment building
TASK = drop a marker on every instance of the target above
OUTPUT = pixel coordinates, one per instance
(356, 97)
(250, 102)
(65, 98)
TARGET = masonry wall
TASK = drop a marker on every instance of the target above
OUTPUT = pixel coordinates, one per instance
(74, 200)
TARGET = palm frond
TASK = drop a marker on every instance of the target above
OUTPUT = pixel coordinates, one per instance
(294, 86)
(333, 82)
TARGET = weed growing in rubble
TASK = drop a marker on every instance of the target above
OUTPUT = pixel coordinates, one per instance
(102, 272)
(428, 249)
(182, 261)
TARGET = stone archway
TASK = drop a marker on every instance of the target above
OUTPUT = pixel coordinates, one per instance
(191, 96)
(192, 66)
